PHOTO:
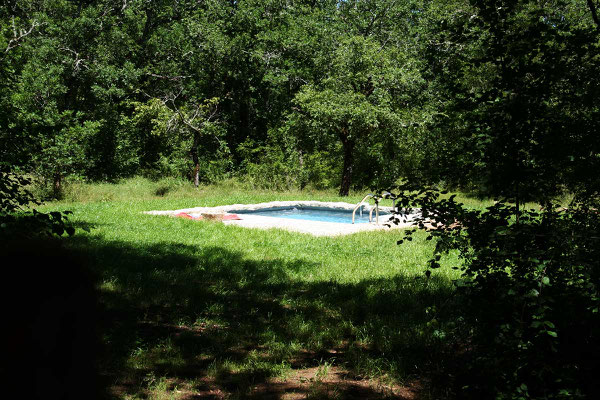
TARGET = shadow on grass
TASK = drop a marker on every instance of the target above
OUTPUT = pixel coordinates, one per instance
(84, 225)
(211, 323)
(49, 312)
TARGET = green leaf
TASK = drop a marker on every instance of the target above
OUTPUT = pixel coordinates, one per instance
(546, 280)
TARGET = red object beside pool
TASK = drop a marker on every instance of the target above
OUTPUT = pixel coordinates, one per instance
(226, 217)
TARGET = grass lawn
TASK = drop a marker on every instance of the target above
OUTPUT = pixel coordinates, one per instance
(196, 309)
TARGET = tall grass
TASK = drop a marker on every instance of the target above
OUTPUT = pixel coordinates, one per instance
(140, 189)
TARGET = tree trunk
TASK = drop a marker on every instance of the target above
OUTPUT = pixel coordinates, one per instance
(348, 146)
(195, 159)
(301, 163)
(592, 7)
(57, 185)
(196, 173)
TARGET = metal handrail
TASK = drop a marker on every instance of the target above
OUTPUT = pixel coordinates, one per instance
(360, 204)
(376, 213)
(385, 195)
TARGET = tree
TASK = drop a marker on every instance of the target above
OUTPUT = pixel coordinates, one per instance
(354, 101)
(522, 126)
(47, 100)
(194, 124)
(516, 107)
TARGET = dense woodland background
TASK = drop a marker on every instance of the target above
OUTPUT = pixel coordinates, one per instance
(497, 98)
(349, 94)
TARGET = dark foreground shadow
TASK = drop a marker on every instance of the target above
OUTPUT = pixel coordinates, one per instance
(50, 337)
(211, 324)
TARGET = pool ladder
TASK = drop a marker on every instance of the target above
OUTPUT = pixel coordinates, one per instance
(370, 212)
(376, 198)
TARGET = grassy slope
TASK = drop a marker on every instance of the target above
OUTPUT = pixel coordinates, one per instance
(202, 307)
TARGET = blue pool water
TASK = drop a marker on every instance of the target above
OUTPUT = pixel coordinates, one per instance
(313, 214)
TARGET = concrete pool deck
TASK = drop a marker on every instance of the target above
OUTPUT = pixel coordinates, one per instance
(315, 228)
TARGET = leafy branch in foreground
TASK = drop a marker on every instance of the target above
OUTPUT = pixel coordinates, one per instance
(529, 292)
(18, 222)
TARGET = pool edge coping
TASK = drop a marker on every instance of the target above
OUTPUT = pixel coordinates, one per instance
(315, 228)
(272, 204)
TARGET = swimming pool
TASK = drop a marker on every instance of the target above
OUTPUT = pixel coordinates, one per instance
(313, 214)
(329, 219)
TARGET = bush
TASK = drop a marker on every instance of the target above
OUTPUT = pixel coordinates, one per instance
(530, 295)
(268, 166)
(16, 220)
(322, 170)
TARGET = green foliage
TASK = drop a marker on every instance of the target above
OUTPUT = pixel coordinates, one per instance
(321, 169)
(355, 103)
(495, 96)
(14, 194)
(165, 138)
(517, 120)
(269, 166)
(17, 221)
(517, 124)
(530, 289)
(147, 146)
(104, 81)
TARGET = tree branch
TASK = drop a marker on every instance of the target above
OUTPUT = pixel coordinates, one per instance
(18, 37)
(594, 12)
(78, 60)
(198, 112)
(170, 78)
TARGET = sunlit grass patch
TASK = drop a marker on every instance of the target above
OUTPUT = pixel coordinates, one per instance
(210, 307)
